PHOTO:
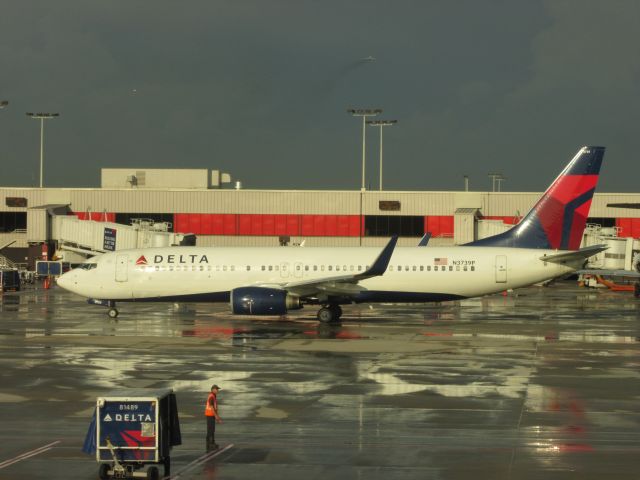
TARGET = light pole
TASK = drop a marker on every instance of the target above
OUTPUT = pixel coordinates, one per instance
(364, 113)
(381, 123)
(496, 177)
(42, 117)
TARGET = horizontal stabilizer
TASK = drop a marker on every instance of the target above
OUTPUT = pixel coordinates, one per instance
(609, 273)
(581, 254)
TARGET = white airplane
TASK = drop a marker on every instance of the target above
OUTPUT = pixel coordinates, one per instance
(272, 281)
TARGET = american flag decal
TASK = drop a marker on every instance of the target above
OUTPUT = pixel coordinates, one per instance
(141, 261)
(440, 261)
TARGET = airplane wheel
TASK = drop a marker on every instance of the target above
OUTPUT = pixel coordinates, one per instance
(113, 313)
(326, 315)
(103, 471)
(153, 473)
(337, 311)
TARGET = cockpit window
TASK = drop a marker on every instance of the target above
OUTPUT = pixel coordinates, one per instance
(88, 266)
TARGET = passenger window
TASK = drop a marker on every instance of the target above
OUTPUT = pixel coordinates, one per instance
(315, 268)
(263, 268)
(457, 268)
(464, 268)
(224, 268)
(337, 268)
(344, 268)
(297, 268)
(428, 268)
(201, 268)
(359, 268)
(329, 267)
(422, 268)
(322, 268)
(391, 268)
(270, 268)
(414, 268)
(171, 268)
(451, 268)
(473, 268)
(248, 268)
(435, 268)
(157, 268)
(233, 268)
(351, 268)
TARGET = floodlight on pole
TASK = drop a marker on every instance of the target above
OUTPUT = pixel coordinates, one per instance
(42, 117)
(364, 113)
(381, 123)
(3, 103)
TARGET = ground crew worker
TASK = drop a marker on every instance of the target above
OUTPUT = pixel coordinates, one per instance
(211, 412)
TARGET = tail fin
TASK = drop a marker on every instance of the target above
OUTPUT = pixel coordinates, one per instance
(557, 221)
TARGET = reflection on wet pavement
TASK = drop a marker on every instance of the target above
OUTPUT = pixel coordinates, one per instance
(535, 384)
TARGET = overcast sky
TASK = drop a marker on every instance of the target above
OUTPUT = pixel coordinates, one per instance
(260, 88)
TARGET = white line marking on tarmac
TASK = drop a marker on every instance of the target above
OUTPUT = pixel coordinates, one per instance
(29, 454)
(199, 461)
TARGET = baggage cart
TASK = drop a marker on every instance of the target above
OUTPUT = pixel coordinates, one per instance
(132, 433)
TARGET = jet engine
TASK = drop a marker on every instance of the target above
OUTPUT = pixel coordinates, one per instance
(263, 301)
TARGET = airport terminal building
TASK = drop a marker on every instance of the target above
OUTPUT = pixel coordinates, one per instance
(192, 201)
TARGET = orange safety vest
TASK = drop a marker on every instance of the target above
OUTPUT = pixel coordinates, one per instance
(210, 410)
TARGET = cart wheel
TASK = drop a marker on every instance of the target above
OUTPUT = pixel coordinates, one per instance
(103, 471)
(167, 466)
(153, 473)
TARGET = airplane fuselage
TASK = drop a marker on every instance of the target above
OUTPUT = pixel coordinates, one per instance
(414, 274)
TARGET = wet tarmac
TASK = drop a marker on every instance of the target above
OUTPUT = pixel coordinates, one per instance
(542, 383)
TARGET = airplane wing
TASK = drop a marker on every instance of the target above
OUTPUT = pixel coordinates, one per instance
(581, 254)
(342, 285)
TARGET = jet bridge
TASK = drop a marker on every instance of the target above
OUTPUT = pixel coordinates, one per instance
(78, 239)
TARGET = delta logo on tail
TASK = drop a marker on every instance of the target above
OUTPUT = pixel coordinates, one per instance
(141, 261)
(557, 221)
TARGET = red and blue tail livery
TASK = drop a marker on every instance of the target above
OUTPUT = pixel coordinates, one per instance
(557, 221)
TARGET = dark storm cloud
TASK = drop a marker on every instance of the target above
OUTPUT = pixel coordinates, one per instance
(260, 89)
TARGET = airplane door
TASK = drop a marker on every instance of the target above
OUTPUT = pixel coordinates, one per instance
(297, 272)
(122, 263)
(501, 268)
(284, 270)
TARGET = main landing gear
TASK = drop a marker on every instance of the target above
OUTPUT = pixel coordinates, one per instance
(113, 312)
(330, 314)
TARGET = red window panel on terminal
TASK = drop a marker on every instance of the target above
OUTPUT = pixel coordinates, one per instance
(280, 224)
(244, 224)
(268, 225)
(230, 224)
(195, 223)
(629, 227)
(216, 224)
(292, 225)
(206, 224)
(307, 225)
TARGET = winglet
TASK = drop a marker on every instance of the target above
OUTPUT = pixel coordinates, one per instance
(424, 240)
(382, 262)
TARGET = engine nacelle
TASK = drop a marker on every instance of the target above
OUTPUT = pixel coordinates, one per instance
(263, 301)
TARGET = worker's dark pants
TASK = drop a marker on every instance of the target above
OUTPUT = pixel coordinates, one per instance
(211, 431)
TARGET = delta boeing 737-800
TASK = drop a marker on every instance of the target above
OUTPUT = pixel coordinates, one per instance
(274, 280)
